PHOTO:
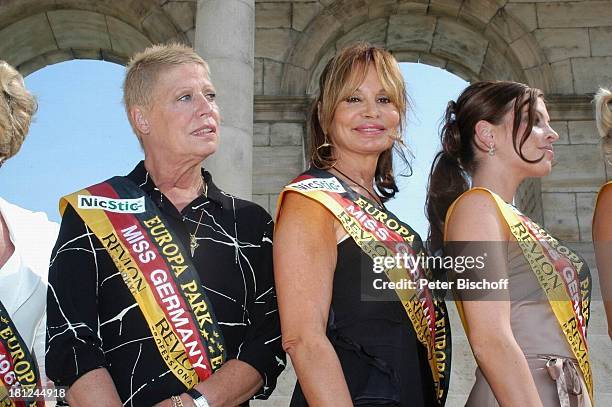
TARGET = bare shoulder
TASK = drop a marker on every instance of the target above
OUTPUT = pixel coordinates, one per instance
(602, 218)
(476, 217)
(303, 213)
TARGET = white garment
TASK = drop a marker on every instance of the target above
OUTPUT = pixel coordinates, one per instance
(23, 278)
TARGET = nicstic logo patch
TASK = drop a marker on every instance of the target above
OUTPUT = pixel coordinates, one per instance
(136, 205)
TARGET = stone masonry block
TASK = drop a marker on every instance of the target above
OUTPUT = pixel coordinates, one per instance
(30, 37)
(382, 8)
(574, 14)
(125, 39)
(323, 27)
(412, 7)
(303, 13)
(273, 15)
(158, 27)
(601, 41)
(583, 132)
(497, 64)
(527, 51)
(374, 31)
(273, 43)
(444, 7)
(507, 26)
(261, 134)
(525, 14)
(410, 32)
(182, 14)
(563, 77)
(350, 12)
(585, 202)
(562, 43)
(79, 29)
(560, 217)
(458, 43)
(273, 72)
(258, 76)
(297, 81)
(478, 13)
(591, 73)
(286, 134)
(579, 168)
(274, 167)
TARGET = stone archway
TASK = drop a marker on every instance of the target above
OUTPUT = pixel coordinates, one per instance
(44, 32)
(474, 42)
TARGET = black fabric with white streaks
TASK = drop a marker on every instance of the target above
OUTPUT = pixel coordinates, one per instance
(93, 320)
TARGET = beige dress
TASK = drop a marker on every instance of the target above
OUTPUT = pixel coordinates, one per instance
(539, 336)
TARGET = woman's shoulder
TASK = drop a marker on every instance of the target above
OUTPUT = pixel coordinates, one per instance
(475, 215)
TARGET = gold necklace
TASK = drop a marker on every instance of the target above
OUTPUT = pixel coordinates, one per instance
(193, 241)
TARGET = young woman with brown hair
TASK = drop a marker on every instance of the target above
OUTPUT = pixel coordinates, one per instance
(496, 135)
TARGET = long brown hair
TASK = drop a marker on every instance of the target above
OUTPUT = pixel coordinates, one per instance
(455, 163)
(342, 75)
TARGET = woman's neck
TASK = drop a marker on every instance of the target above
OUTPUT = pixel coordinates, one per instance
(361, 171)
(498, 180)
(180, 182)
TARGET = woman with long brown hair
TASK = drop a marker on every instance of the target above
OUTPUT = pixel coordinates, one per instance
(602, 218)
(332, 230)
(529, 340)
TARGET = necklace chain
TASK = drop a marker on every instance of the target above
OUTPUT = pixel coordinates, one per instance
(193, 241)
(375, 198)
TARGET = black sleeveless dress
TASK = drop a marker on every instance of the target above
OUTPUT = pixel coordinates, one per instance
(383, 362)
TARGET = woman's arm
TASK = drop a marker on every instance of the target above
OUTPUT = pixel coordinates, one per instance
(476, 219)
(304, 263)
(602, 238)
(94, 388)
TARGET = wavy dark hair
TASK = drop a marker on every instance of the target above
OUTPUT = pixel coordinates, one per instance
(342, 76)
(456, 162)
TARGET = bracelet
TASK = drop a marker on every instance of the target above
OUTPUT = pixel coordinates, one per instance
(176, 401)
(198, 398)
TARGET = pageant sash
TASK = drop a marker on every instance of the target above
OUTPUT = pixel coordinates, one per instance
(563, 276)
(19, 374)
(158, 272)
(379, 233)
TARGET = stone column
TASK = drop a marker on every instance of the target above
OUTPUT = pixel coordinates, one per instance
(224, 37)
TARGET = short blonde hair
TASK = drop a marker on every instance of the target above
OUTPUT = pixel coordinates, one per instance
(603, 116)
(144, 68)
(17, 106)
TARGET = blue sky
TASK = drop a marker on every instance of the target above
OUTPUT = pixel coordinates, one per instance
(81, 135)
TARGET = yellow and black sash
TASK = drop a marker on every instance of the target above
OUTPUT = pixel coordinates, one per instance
(379, 233)
(158, 272)
(19, 375)
(561, 273)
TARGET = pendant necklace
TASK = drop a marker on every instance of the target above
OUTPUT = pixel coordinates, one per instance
(193, 242)
(376, 199)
